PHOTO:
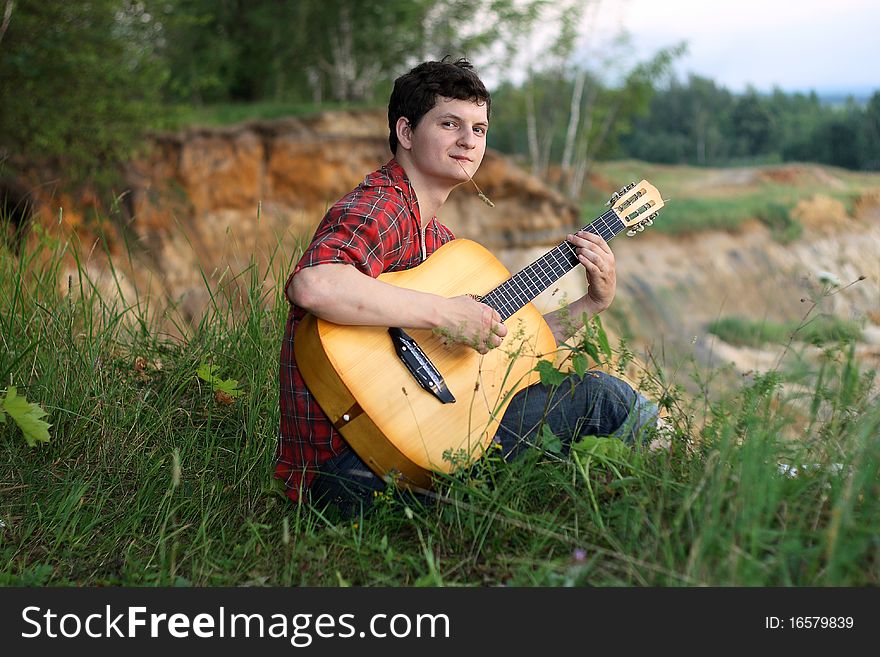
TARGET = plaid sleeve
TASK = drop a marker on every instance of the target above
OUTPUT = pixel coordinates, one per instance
(363, 231)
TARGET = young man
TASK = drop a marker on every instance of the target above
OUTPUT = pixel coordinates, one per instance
(438, 118)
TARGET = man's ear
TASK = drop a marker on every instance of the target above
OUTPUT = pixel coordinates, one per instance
(404, 132)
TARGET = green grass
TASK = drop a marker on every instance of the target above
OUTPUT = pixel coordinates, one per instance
(688, 215)
(821, 329)
(699, 199)
(221, 114)
(148, 480)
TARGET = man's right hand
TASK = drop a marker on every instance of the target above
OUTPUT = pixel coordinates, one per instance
(469, 322)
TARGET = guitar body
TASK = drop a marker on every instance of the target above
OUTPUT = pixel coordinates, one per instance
(395, 426)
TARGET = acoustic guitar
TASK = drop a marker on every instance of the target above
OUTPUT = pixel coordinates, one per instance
(410, 404)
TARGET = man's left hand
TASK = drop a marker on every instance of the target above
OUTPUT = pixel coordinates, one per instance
(595, 255)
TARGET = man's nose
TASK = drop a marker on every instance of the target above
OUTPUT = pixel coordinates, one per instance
(467, 138)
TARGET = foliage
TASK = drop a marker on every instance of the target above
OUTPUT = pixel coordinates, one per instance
(605, 450)
(27, 415)
(148, 483)
(698, 122)
(783, 227)
(316, 49)
(821, 329)
(531, 120)
(210, 374)
(80, 84)
(85, 81)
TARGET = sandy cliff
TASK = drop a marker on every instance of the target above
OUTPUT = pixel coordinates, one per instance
(214, 201)
(208, 199)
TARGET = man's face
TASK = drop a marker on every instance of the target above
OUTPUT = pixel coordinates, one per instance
(450, 141)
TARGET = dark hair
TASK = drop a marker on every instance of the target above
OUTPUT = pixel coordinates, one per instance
(415, 93)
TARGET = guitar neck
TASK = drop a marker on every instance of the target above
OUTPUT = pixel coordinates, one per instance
(521, 288)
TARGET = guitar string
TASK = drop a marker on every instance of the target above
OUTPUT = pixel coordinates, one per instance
(528, 283)
(521, 288)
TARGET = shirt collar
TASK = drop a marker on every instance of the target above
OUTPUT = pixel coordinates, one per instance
(391, 174)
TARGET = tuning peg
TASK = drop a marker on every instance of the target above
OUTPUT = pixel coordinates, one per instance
(623, 190)
(631, 232)
(641, 227)
(648, 222)
(614, 197)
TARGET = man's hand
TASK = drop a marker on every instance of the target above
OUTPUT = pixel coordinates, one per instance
(469, 322)
(598, 260)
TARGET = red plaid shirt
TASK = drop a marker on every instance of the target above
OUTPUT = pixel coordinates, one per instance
(376, 228)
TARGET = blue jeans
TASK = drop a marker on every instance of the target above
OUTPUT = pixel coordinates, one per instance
(596, 405)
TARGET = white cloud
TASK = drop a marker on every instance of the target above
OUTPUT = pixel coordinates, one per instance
(793, 44)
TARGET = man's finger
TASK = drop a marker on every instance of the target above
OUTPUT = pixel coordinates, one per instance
(595, 239)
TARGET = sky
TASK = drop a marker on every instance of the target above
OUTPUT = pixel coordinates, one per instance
(830, 46)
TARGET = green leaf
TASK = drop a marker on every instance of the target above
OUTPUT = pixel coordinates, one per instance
(550, 376)
(591, 349)
(206, 372)
(550, 441)
(603, 338)
(27, 416)
(602, 448)
(229, 386)
(209, 373)
(580, 364)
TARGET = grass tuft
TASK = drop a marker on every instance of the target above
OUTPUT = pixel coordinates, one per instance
(150, 479)
(819, 330)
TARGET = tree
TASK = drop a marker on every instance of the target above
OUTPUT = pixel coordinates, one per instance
(79, 84)
(871, 134)
(7, 16)
(752, 123)
(347, 50)
(836, 142)
(621, 105)
(571, 118)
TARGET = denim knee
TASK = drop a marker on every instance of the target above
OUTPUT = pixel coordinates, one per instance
(347, 482)
(643, 415)
(596, 404)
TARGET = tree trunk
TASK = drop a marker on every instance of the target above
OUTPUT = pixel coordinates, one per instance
(314, 78)
(574, 180)
(341, 69)
(586, 162)
(574, 119)
(532, 131)
(701, 123)
(7, 16)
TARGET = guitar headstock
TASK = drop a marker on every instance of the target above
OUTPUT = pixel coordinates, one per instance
(636, 205)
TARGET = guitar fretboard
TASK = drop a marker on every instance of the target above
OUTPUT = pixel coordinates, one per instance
(519, 289)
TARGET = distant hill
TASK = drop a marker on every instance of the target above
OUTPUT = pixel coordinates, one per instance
(839, 97)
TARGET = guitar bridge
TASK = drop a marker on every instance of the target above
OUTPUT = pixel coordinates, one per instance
(420, 366)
